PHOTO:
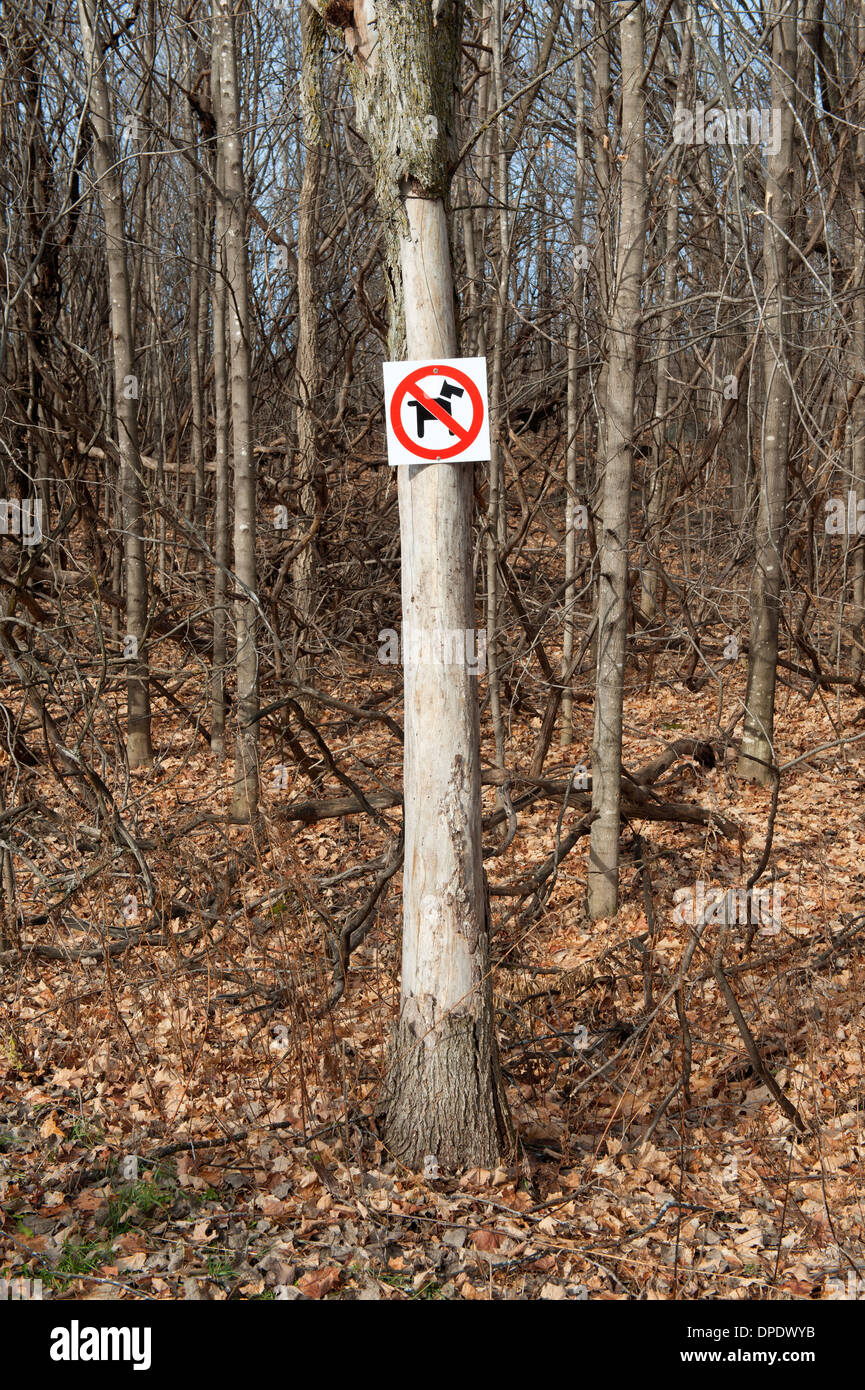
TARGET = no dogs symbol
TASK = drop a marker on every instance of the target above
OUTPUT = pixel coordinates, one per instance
(437, 411)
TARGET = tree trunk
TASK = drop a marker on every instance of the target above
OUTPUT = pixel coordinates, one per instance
(197, 339)
(444, 1095)
(857, 420)
(655, 490)
(107, 169)
(308, 372)
(602, 160)
(572, 541)
(756, 756)
(244, 806)
(220, 410)
(603, 877)
(496, 517)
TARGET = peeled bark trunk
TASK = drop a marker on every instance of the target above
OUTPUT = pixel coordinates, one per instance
(107, 170)
(603, 876)
(756, 757)
(443, 1095)
(444, 1092)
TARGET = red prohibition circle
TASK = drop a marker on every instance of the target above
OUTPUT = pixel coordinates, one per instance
(409, 387)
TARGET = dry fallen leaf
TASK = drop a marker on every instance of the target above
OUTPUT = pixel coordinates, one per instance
(555, 1291)
(50, 1126)
(318, 1282)
(486, 1240)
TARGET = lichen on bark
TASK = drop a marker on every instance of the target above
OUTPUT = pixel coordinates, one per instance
(404, 69)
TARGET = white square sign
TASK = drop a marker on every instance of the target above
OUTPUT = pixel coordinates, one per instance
(437, 411)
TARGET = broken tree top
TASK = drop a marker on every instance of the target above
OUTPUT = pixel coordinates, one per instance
(437, 411)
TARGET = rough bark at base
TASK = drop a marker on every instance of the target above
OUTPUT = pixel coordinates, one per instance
(444, 1095)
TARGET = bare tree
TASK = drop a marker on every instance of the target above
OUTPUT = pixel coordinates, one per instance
(573, 399)
(126, 386)
(222, 518)
(756, 758)
(444, 1093)
(309, 472)
(603, 878)
(245, 801)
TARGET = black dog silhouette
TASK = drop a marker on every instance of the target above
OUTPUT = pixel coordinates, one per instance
(442, 399)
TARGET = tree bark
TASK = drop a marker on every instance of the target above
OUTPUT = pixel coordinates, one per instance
(244, 806)
(221, 519)
(857, 418)
(603, 876)
(107, 170)
(655, 490)
(756, 756)
(602, 161)
(308, 367)
(566, 732)
(496, 514)
(443, 1095)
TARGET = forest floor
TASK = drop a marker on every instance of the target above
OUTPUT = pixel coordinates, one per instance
(183, 1116)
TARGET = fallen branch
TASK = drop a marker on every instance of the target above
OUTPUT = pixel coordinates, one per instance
(360, 924)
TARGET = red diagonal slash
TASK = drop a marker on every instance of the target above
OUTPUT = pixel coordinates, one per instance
(438, 411)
